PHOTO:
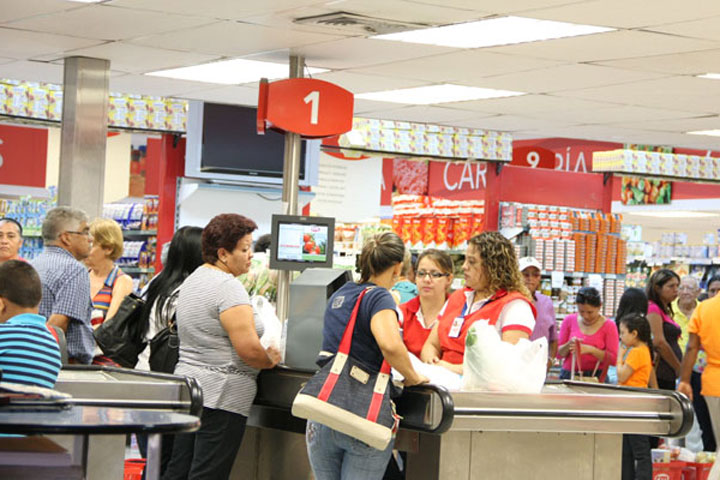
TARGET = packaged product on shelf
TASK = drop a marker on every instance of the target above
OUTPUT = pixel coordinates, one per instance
(429, 227)
(16, 98)
(37, 101)
(55, 99)
(462, 229)
(137, 111)
(176, 116)
(444, 232)
(416, 232)
(118, 110)
(156, 113)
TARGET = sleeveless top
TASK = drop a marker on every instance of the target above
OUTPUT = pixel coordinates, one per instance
(101, 300)
(671, 332)
(453, 349)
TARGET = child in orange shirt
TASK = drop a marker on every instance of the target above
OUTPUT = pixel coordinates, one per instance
(634, 365)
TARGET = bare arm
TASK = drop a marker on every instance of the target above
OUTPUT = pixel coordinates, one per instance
(624, 371)
(660, 344)
(123, 287)
(691, 353)
(59, 320)
(553, 349)
(384, 327)
(239, 324)
(431, 350)
(513, 336)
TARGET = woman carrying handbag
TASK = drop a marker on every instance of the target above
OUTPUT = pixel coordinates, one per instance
(376, 338)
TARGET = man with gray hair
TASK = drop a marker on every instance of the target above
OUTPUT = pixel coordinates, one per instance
(65, 281)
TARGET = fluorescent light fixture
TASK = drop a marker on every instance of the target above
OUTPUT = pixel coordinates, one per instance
(675, 214)
(711, 76)
(433, 94)
(711, 133)
(493, 32)
(231, 72)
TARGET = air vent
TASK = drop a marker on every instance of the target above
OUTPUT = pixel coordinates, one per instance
(359, 24)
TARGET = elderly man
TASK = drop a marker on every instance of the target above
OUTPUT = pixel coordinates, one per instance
(65, 281)
(545, 324)
(683, 308)
(11, 239)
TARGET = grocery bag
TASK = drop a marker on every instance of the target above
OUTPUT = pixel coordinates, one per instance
(492, 365)
(272, 336)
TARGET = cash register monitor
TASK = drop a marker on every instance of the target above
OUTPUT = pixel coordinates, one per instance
(300, 242)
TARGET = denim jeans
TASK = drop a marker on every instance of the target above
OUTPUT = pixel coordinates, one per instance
(336, 456)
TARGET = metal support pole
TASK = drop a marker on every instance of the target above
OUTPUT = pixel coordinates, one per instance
(84, 134)
(291, 172)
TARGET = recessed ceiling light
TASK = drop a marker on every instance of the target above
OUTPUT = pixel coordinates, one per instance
(433, 94)
(675, 214)
(711, 76)
(712, 133)
(493, 32)
(231, 72)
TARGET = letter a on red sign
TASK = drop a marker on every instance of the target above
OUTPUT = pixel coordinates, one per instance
(306, 106)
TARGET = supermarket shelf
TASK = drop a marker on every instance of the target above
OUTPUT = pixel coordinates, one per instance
(139, 233)
(137, 269)
(607, 276)
(31, 234)
(669, 260)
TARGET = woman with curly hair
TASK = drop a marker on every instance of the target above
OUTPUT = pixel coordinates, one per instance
(494, 292)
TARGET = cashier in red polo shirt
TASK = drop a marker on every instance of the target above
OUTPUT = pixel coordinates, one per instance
(433, 276)
(494, 292)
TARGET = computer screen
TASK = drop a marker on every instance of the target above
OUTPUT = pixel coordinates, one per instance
(300, 242)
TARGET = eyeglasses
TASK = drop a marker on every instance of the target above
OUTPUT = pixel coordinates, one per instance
(686, 289)
(84, 232)
(433, 275)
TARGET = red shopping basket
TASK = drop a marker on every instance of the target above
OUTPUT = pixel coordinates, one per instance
(134, 468)
(702, 470)
(673, 471)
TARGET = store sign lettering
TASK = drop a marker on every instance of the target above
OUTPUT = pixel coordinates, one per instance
(564, 163)
(472, 175)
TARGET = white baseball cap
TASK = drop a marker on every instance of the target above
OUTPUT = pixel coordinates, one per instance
(526, 262)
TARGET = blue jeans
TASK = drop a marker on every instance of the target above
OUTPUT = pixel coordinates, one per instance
(336, 456)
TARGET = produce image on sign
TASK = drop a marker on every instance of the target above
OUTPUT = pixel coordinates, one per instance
(645, 191)
(301, 242)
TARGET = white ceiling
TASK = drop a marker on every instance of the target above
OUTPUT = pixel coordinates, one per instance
(633, 85)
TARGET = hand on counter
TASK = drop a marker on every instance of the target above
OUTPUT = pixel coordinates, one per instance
(274, 355)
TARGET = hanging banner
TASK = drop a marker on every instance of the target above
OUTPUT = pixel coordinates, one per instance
(457, 180)
(23, 156)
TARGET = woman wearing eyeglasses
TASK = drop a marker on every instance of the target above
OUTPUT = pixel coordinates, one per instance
(432, 278)
(589, 336)
(494, 292)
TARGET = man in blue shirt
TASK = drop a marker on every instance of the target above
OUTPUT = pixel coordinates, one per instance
(29, 354)
(65, 281)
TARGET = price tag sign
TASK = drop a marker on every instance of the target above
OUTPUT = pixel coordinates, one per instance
(306, 106)
(557, 279)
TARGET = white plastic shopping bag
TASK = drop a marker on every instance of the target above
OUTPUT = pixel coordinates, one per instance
(272, 337)
(493, 365)
(436, 374)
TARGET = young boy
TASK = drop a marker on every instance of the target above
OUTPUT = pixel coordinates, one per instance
(29, 354)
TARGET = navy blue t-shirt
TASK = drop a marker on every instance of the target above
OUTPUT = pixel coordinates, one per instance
(337, 315)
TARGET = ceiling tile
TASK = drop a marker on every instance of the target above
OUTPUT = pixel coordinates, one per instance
(498, 6)
(529, 105)
(705, 28)
(32, 72)
(103, 22)
(366, 83)
(690, 63)
(509, 123)
(156, 86)
(624, 14)
(14, 10)
(467, 67)
(606, 46)
(363, 107)
(711, 122)
(427, 114)
(220, 9)
(614, 114)
(565, 77)
(231, 38)
(22, 45)
(357, 53)
(234, 95)
(138, 59)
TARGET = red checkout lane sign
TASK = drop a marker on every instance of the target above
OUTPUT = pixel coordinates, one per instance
(306, 106)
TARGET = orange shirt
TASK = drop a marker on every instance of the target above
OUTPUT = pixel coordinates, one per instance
(639, 359)
(705, 323)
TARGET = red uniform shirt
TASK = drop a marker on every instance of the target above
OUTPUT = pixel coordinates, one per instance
(453, 349)
(414, 332)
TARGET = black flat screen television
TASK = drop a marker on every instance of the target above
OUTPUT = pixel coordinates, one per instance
(300, 242)
(223, 144)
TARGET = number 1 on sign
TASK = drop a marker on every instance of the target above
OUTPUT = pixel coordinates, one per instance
(314, 98)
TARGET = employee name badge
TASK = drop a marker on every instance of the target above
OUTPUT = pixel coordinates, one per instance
(456, 327)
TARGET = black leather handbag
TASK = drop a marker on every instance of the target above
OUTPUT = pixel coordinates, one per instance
(164, 349)
(120, 337)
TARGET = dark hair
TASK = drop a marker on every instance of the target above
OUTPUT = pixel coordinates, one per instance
(441, 258)
(184, 256)
(588, 296)
(224, 231)
(262, 243)
(14, 222)
(499, 263)
(20, 284)
(633, 300)
(638, 322)
(714, 278)
(656, 281)
(380, 252)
